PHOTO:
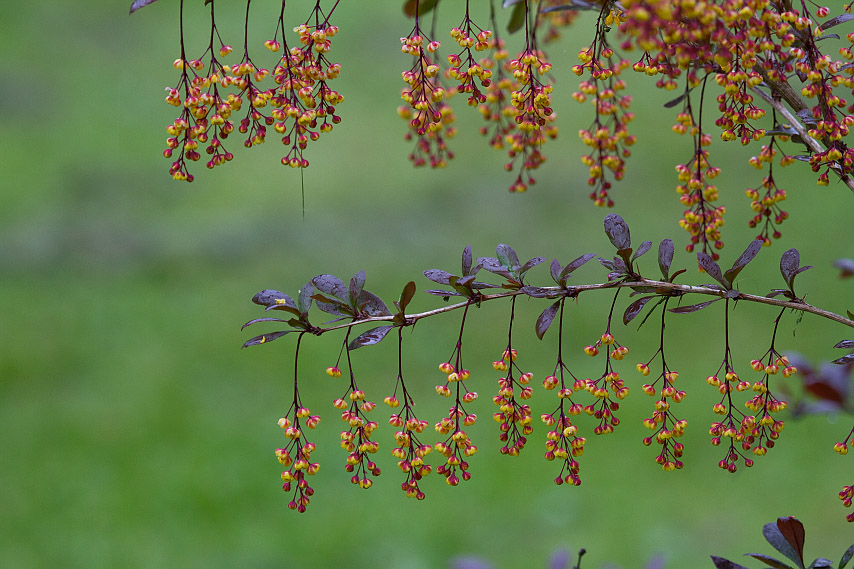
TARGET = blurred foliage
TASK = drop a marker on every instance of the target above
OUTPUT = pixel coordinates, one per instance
(137, 434)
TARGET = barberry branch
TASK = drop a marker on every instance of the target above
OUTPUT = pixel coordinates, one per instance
(661, 287)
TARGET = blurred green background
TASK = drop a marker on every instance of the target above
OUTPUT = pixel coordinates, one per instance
(136, 433)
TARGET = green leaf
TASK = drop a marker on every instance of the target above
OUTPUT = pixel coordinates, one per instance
(507, 256)
(846, 557)
(406, 296)
(517, 17)
(424, 6)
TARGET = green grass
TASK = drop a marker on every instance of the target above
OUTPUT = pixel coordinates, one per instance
(137, 434)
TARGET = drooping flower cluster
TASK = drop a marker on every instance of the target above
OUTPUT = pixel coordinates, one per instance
(607, 137)
(513, 417)
(303, 105)
(429, 116)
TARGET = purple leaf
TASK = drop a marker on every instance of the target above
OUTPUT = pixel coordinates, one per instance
(137, 4)
(712, 269)
(438, 276)
(467, 260)
(372, 305)
(692, 307)
(844, 360)
(721, 563)
(665, 257)
(635, 308)
(442, 292)
(371, 337)
(546, 318)
(742, 261)
(268, 297)
(774, 535)
(642, 249)
(257, 320)
(776, 564)
(840, 19)
(304, 298)
(540, 292)
(531, 264)
(845, 344)
(554, 269)
(264, 338)
(617, 231)
(793, 530)
(574, 265)
(357, 283)
(330, 284)
(789, 263)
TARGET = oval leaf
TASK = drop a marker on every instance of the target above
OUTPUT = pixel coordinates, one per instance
(712, 269)
(642, 249)
(635, 308)
(330, 284)
(304, 298)
(357, 283)
(467, 260)
(268, 297)
(438, 276)
(371, 337)
(841, 19)
(845, 344)
(789, 263)
(372, 305)
(517, 18)
(406, 295)
(546, 318)
(507, 256)
(617, 231)
(775, 537)
(665, 257)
